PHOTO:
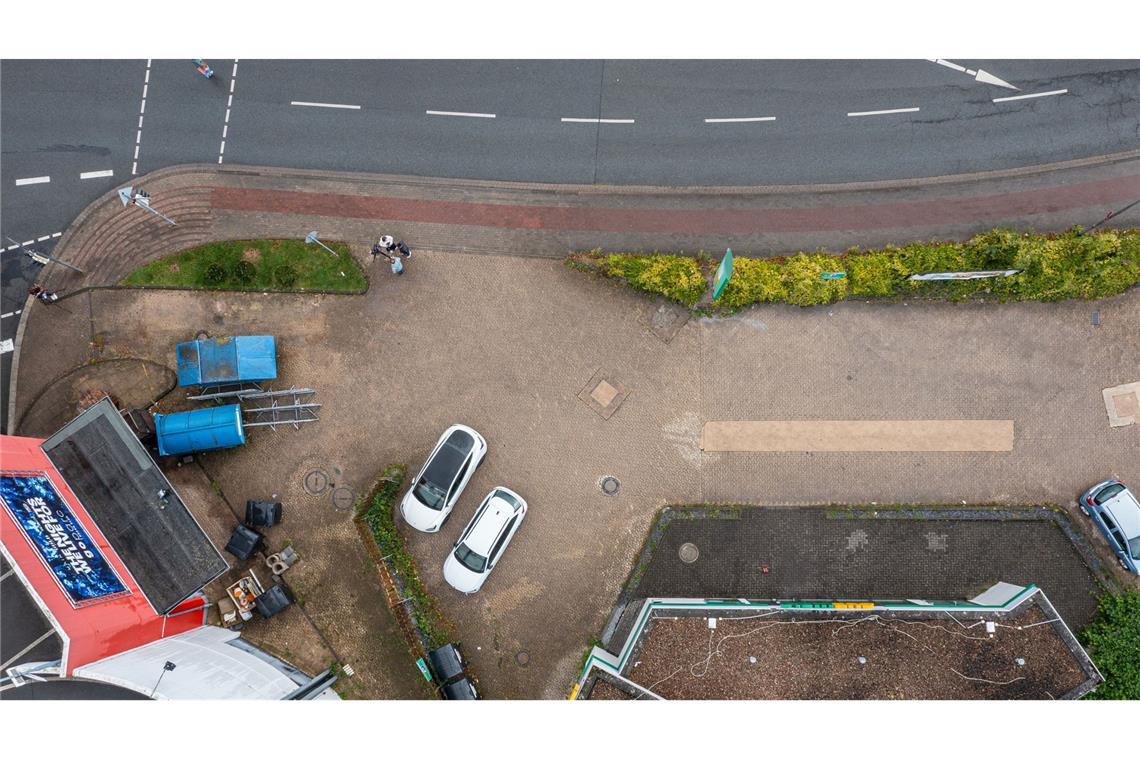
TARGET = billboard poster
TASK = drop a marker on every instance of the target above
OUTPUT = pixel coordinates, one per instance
(81, 570)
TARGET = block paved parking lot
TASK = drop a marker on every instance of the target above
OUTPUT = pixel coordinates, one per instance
(507, 344)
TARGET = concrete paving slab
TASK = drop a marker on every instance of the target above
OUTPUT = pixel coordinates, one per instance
(857, 435)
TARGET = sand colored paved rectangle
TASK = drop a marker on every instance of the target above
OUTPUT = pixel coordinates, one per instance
(857, 435)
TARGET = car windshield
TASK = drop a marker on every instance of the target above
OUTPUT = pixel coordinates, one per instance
(1108, 493)
(430, 494)
(472, 561)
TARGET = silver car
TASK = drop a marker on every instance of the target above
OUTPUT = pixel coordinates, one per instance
(1116, 512)
(483, 541)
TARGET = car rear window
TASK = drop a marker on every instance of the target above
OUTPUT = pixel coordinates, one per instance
(1107, 493)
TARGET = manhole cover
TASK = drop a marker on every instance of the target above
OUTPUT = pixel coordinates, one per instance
(610, 485)
(688, 553)
(522, 658)
(316, 482)
(343, 497)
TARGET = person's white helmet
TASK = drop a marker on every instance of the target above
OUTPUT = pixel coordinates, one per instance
(387, 241)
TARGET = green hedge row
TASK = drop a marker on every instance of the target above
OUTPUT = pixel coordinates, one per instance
(1053, 268)
(378, 517)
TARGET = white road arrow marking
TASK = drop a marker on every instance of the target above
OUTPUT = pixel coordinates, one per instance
(981, 75)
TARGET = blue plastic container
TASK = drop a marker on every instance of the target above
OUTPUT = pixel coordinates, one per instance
(242, 358)
(218, 427)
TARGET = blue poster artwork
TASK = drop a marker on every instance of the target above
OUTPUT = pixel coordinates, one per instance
(61, 540)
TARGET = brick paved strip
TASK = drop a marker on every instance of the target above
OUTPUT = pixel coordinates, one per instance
(858, 435)
(719, 221)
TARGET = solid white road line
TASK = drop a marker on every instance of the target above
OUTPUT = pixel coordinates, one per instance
(1030, 95)
(461, 113)
(880, 113)
(322, 105)
(32, 181)
(94, 175)
(740, 119)
(598, 121)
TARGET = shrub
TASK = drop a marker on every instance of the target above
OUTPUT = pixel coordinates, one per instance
(285, 276)
(378, 517)
(244, 272)
(676, 277)
(214, 274)
(1052, 268)
(1113, 642)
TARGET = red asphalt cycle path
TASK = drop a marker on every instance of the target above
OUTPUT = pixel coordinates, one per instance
(712, 220)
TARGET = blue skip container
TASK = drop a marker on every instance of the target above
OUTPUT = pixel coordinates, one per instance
(218, 427)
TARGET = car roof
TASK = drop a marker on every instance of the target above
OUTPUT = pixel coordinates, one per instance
(1125, 510)
(491, 522)
(448, 457)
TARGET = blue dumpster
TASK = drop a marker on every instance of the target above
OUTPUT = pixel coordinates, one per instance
(215, 361)
(218, 427)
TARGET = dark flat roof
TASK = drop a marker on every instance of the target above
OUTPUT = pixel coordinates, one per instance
(118, 483)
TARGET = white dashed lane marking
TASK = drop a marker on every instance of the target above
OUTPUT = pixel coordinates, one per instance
(596, 121)
(5, 316)
(883, 113)
(1030, 95)
(468, 114)
(93, 175)
(323, 105)
(739, 119)
(32, 181)
(40, 239)
(142, 110)
(229, 105)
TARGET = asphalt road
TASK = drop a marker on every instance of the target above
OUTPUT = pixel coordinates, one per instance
(89, 126)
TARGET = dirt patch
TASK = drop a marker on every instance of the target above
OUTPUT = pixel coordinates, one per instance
(173, 268)
(788, 656)
(251, 255)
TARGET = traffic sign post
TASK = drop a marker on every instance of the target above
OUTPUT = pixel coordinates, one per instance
(723, 274)
(43, 258)
(132, 197)
(312, 238)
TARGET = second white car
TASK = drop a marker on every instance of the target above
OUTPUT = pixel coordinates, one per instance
(483, 541)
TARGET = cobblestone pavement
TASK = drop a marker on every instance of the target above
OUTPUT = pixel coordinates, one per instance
(506, 344)
(821, 554)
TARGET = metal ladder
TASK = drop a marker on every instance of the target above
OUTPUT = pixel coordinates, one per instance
(296, 413)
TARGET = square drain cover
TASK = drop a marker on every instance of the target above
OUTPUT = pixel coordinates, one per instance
(603, 394)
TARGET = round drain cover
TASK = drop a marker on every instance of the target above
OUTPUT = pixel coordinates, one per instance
(343, 497)
(522, 658)
(316, 482)
(610, 485)
(688, 553)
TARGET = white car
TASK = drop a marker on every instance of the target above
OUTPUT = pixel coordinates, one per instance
(445, 474)
(484, 540)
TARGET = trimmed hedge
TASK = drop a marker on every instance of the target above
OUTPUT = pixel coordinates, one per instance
(1053, 268)
(676, 277)
(1113, 642)
(377, 515)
